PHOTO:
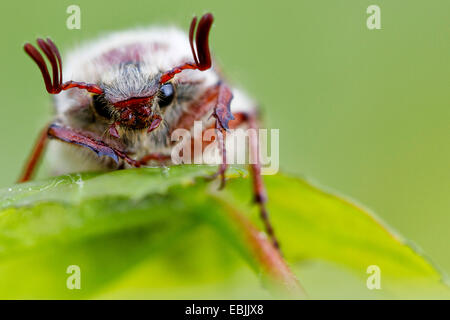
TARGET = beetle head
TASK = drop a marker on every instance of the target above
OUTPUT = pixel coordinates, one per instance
(137, 108)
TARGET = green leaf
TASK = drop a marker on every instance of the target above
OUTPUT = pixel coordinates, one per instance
(314, 225)
(167, 233)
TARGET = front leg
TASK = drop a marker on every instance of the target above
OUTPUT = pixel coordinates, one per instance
(223, 115)
(68, 135)
(34, 157)
(82, 139)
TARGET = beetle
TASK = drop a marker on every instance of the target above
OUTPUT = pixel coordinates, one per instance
(129, 91)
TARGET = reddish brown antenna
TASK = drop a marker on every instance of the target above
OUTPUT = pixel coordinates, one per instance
(200, 53)
(54, 84)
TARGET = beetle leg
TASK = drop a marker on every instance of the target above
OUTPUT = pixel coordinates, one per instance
(223, 115)
(34, 157)
(223, 166)
(258, 184)
(260, 195)
(74, 137)
(82, 139)
(222, 111)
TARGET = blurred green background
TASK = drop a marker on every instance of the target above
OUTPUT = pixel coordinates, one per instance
(364, 112)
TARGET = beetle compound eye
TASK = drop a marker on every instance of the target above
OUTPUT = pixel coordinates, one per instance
(166, 94)
(101, 106)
